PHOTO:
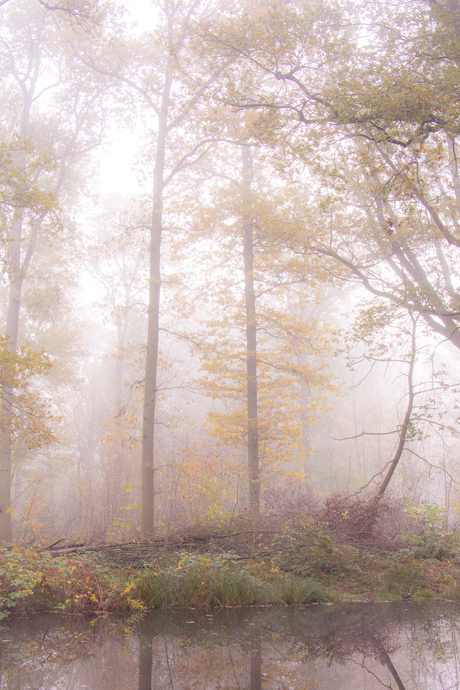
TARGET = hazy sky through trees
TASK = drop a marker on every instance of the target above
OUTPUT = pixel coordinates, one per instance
(337, 204)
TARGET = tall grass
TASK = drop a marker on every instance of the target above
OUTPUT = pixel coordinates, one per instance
(197, 580)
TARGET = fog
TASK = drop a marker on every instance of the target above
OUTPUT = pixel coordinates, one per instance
(229, 263)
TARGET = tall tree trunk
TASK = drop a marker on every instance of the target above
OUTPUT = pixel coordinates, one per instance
(305, 398)
(251, 335)
(153, 325)
(12, 330)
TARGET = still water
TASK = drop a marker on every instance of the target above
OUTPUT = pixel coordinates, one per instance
(345, 647)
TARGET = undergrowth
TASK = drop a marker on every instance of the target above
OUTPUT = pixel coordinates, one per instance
(31, 580)
(224, 580)
(299, 559)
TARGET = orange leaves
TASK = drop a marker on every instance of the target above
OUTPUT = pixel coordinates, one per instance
(32, 417)
(20, 168)
(203, 484)
(290, 354)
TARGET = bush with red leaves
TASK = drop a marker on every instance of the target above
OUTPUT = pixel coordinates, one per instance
(360, 519)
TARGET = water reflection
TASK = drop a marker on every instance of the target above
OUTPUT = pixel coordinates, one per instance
(354, 647)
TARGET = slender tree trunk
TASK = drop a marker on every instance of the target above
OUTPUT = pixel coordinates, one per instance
(6, 534)
(251, 335)
(153, 326)
(150, 383)
(12, 330)
(256, 663)
(407, 417)
(305, 397)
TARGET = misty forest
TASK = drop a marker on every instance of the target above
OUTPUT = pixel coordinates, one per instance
(230, 294)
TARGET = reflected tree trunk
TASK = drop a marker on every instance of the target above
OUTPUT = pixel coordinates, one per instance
(145, 664)
(256, 663)
(386, 661)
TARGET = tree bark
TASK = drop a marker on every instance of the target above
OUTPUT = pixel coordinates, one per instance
(153, 324)
(12, 330)
(251, 335)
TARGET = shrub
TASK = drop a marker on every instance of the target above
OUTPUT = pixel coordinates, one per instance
(307, 549)
(40, 581)
(18, 579)
(355, 517)
(428, 537)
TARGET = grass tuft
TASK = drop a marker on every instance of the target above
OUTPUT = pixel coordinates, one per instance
(197, 580)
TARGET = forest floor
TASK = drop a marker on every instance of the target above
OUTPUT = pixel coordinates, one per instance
(348, 566)
(285, 559)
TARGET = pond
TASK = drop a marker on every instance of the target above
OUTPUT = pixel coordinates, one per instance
(405, 646)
